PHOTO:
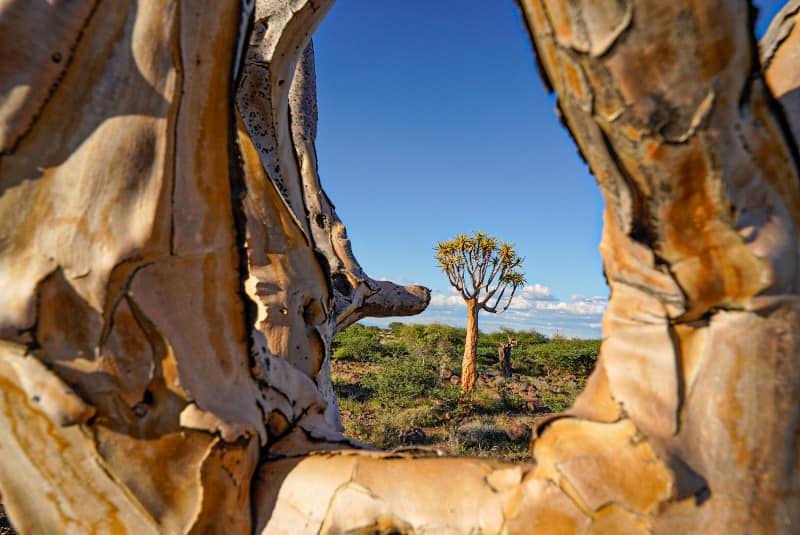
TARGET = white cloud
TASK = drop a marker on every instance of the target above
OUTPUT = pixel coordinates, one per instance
(535, 307)
(582, 307)
(441, 300)
(530, 295)
(537, 291)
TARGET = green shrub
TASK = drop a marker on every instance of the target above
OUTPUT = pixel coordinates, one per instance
(566, 356)
(512, 401)
(412, 417)
(556, 402)
(358, 342)
(440, 343)
(484, 400)
(355, 392)
(488, 344)
(447, 395)
(441, 346)
(400, 381)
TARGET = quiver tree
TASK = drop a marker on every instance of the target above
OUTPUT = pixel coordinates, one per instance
(163, 311)
(504, 356)
(486, 273)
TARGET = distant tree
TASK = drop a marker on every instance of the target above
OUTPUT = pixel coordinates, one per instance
(504, 355)
(486, 273)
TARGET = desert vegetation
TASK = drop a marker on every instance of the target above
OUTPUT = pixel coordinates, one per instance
(399, 387)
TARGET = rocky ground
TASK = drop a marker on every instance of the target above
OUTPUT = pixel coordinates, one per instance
(496, 421)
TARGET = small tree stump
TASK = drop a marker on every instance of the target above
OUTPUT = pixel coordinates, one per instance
(504, 354)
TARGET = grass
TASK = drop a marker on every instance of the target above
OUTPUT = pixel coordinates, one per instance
(406, 391)
(398, 387)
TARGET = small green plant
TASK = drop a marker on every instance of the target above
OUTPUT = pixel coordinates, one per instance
(560, 393)
(400, 382)
(567, 356)
(421, 416)
(557, 357)
(511, 401)
(358, 342)
(484, 400)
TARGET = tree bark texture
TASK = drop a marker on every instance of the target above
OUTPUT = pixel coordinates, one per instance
(699, 175)
(468, 362)
(171, 274)
(165, 312)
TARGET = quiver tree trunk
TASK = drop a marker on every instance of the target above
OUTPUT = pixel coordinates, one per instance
(469, 360)
(167, 303)
(316, 287)
(699, 173)
(175, 320)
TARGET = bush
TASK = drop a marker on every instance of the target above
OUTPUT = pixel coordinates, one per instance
(566, 356)
(439, 342)
(401, 381)
(358, 342)
(511, 401)
(441, 346)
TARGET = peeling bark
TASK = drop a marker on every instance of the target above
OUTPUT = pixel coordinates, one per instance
(121, 274)
(320, 288)
(171, 275)
(700, 247)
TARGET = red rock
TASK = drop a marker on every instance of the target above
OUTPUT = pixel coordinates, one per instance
(518, 431)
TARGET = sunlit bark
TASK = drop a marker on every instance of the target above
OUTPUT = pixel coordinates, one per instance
(166, 302)
(700, 248)
(469, 360)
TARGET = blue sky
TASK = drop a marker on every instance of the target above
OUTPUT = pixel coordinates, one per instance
(433, 121)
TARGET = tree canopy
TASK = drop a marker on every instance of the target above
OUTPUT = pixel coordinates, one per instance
(483, 268)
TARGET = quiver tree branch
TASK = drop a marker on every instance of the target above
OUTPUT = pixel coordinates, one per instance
(123, 329)
(473, 256)
(277, 103)
(356, 294)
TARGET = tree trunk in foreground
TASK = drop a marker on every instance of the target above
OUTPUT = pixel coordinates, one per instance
(171, 274)
(468, 361)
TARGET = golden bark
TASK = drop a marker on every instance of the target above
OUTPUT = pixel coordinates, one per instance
(167, 302)
(468, 361)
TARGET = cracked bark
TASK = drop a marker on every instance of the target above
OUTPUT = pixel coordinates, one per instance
(128, 397)
(319, 288)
